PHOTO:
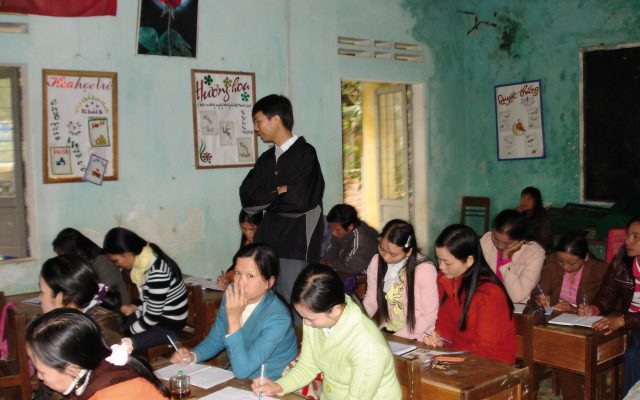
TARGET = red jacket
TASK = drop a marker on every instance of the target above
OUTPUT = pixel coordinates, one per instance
(491, 330)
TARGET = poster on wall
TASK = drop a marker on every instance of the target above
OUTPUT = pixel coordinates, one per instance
(222, 122)
(168, 27)
(519, 127)
(79, 125)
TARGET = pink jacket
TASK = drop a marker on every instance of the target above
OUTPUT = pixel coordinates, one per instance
(523, 273)
(425, 292)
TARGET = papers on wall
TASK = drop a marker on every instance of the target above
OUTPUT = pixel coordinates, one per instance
(574, 320)
(205, 283)
(231, 393)
(400, 348)
(204, 376)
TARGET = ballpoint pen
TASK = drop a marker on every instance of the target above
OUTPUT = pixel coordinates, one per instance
(261, 380)
(175, 346)
(542, 293)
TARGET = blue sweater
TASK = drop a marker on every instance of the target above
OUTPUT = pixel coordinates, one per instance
(267, 337)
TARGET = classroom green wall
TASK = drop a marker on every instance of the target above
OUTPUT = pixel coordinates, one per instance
(545, 38)
(291, 46)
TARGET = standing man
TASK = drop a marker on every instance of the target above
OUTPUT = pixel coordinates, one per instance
(286, 184)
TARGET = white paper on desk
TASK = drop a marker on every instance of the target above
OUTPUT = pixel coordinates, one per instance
(400, 348)
(518, 308)
(205, 283)
(573, 319)
(210, 377)
(173, 369)
(231, 393)
(34, 301)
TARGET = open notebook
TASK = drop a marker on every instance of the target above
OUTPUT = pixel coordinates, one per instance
(400, 348)
(231, 393)
(204, 376)
(574, 320)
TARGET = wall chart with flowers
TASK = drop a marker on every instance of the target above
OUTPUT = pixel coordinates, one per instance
(80, 126)
(520, 131)
(168, 27)
(222, 123)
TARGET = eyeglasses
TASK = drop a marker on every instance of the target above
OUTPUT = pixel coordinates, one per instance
(633, 236)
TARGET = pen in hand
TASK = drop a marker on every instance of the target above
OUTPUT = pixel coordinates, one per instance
(184, 360)
(545, 296)
(261, 379)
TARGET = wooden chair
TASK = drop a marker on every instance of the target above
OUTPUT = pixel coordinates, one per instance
(14, 374)
(193, 333)
(474, 208)
(409, 375)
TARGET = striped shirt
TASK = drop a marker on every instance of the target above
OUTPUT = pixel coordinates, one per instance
(164, 299)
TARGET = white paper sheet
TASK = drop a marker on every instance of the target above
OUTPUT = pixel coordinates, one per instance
(205, 283)
(231, 393)
(210, 377)
(400, 348)
(173, 369)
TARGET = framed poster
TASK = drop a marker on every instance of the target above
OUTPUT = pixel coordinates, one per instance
(519, 127)
(168, 27)
(79, 123)
(222, 122)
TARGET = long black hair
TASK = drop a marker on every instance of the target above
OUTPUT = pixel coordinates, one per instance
(512, 223)
(121, 240)
(71, 241)
(621, 255)
(462, 242)
(319, 288)
(253, 219)
(65, 336)
(70, 275)
(399, 233)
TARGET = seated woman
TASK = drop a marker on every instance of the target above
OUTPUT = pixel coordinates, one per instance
(68, 281)
(621, 287)
(67, 349)
(164, 298)
(70, 241)
(539, 224)
(404, 282)
(339, 341)
(475, 311)
(253, 324)
(571, 274)
(248, 226)
(515, 259)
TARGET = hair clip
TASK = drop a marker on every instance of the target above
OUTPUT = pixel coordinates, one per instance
(406, 245)
(120, 352)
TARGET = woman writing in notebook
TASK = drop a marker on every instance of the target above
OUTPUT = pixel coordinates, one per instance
(248, 226)
(159, 280)
(68, 281)
(337, 340)
(570, 275)
(515, 259)
(404, 282)
(475, 311)
(253, 324)
(620, 290)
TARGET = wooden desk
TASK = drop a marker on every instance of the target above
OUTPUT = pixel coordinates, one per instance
(476, 378)
(583, 351)
(30, 310)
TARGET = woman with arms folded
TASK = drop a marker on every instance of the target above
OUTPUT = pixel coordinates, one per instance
(339, 341)
(475, 311)
(67, 349)
(253, 324)
(404, 282)
(515, 259)
(621, 287)
(159, 280)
